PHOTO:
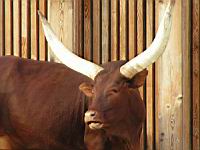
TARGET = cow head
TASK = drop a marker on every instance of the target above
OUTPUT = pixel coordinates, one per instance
(114, 101)
(114, 93)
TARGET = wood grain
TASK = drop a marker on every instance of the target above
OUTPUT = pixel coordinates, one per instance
(186, 46)
(195, 73)
(24, 32)
(8, 28)
(132, 47)
(61, 19)
(140, 26)
(1, 27)
(105, 31)
(150, 81)
(123, 29)
(140, 48)
(42, 40)
(114, 30)
(87, 30)
(34, 29)
(17, 27)
(96, 31)
(78, 22)
(169, 87)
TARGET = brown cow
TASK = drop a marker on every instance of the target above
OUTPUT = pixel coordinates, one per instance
(41, 106)
(116, 109)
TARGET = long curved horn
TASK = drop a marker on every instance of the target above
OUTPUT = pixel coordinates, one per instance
(151, 54)
(65, 56)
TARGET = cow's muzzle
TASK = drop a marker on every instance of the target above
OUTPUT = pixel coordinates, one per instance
(92, 120)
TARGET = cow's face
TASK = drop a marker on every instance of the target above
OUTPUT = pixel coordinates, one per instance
(114, 101)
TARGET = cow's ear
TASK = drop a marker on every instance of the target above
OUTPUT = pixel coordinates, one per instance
(87, 89)
(139, 79)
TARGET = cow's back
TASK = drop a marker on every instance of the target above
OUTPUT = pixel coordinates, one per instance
(40, 103)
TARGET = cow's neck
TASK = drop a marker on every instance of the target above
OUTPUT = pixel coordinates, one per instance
(127, 139)
(117, 143)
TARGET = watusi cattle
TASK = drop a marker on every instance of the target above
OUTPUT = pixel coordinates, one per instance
(77, 104)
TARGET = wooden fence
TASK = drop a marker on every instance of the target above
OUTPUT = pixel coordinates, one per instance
(105, 30)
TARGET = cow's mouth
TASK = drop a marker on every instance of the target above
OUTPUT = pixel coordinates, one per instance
(95, 125)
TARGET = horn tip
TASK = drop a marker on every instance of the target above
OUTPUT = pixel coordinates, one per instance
(39, 13)
(42, 18)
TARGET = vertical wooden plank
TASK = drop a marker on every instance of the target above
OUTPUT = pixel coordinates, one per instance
(8, 27)
(195, 72)
(169, 87)
(78, 33)
(150, 79)
(24, 29)
(140, 48)
(37, 31)
(157, 136)
(123, 29)
(96, 32)
(105, 31)
(1, 28)
(60, 16)
(114, 29)
(11, 26)
(42, 40)
(140, 26)
(34, 47)
(87, 29)
(16, 27)
(132, 28)
(28, 27)
(186, 50)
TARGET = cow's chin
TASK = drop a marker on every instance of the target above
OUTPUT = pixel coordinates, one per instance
(95, 125)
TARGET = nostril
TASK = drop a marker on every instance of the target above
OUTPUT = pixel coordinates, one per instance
(92, 114)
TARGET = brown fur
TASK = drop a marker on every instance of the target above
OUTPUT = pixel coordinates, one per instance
(41, 106)
(118, 105)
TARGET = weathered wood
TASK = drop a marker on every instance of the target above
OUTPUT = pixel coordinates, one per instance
(132, 31)
(114, 30)
(24, 31)
(140, 26)
(8, 28)
(169, 87)
(96, 31)
(61, 19)
(123, 29)
(28, 27)
(140, 48)
(87, 30)
(16, 27)
(105, 31)
(157, 134)
(11, 27)
(42, 41)
(78, 22)
(150, 94)
(195, 73)
(34, 27)
(1, 27)
(186, 46)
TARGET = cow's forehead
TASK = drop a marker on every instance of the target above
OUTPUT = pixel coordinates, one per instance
(108, 77)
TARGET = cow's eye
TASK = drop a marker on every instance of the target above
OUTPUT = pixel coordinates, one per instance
(112, 92)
